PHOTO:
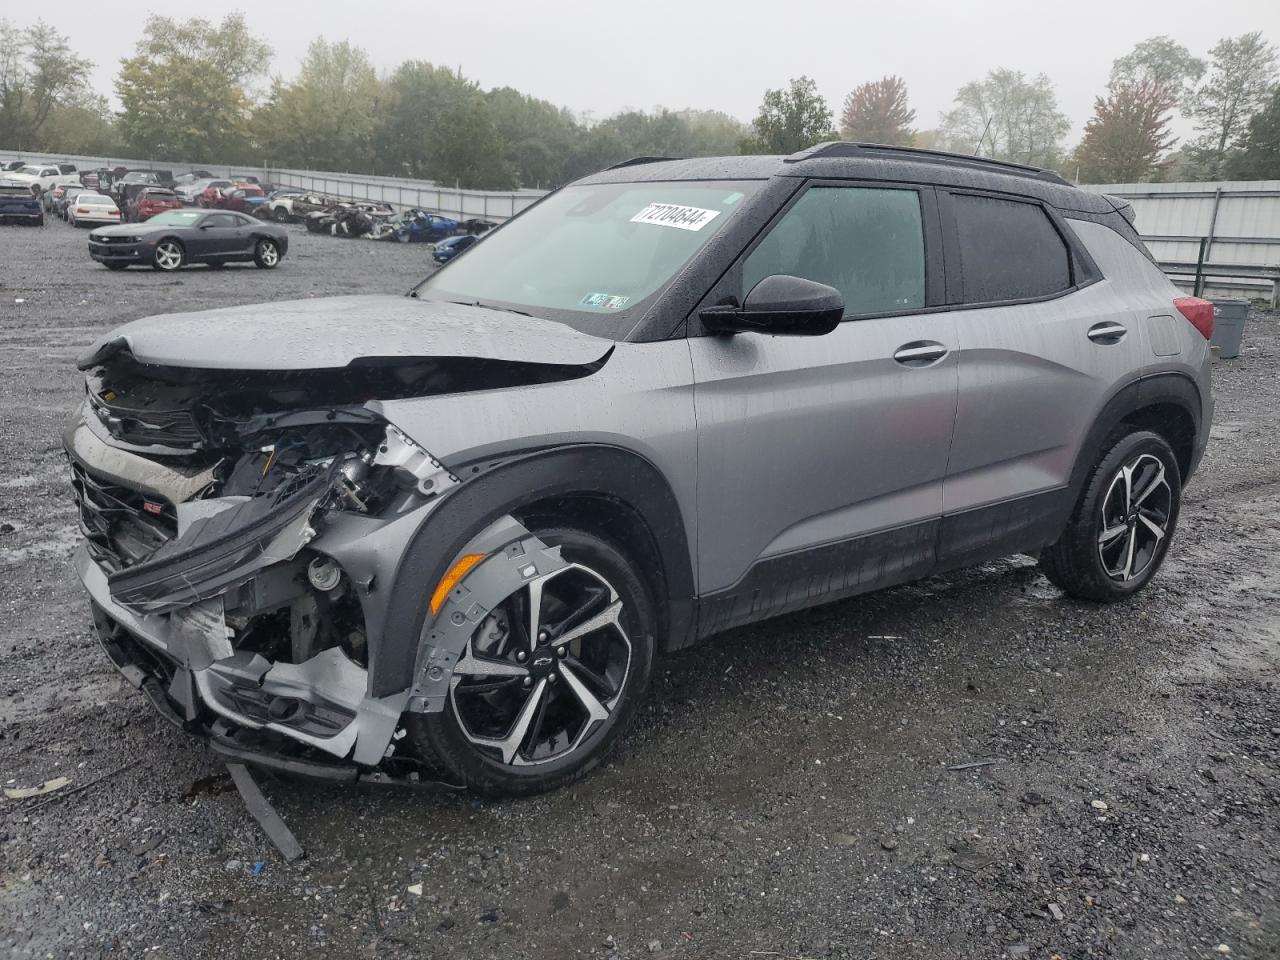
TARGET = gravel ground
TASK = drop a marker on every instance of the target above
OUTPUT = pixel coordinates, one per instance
(787, 793)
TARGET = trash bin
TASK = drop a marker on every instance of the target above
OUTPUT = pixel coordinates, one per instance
(1228, 326)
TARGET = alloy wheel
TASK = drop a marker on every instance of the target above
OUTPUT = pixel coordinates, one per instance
(268, 253)
(1135, 518)
(545, 670)
(168, 255)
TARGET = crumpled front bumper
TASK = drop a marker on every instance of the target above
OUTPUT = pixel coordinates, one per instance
(196, 680)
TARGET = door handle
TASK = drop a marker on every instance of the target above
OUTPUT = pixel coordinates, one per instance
(1107, 332)
(920, 353)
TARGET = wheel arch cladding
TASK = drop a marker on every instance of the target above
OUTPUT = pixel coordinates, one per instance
(523, 485)
(1166, 404)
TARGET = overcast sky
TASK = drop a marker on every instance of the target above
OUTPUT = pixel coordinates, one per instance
(604, 56)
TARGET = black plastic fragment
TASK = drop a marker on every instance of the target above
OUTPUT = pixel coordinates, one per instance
(274, 827)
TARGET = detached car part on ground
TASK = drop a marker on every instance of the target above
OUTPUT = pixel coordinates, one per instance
(173, 239)
(437, 536)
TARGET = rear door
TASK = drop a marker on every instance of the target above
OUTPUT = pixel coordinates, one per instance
(821, 459)
(1044, 343)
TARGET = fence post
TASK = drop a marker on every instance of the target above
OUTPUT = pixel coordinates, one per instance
(1197, 287)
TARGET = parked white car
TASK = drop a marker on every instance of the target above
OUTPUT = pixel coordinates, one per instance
(92, 208)
(42, 176)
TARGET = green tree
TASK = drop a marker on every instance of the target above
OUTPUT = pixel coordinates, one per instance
(1007, 117)
(1127, 135)
(184, 92)
(790, 120)
(537, 137)
(467, 150)
(327, 117)
(1162, 62)
(82, 125)
(38, 72)
(712, 133)
(418, 94)
(878, 112)
(1259, 155)
(1239, 82)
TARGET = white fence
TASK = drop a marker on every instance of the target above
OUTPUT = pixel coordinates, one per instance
(495, 205)
(1238, 223)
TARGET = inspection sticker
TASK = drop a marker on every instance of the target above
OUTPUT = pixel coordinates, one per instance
(674, 215)
(605, 301)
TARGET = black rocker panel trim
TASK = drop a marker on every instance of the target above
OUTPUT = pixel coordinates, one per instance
(793, 581)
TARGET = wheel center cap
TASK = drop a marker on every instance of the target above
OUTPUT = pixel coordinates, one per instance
(543, 663)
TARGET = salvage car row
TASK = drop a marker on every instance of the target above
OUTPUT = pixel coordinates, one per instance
(31, 192)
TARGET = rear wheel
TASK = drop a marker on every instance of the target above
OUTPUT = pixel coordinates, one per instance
(266, 254)
(1121, 529)
(169, 255)
(550, 679)
(280, 215)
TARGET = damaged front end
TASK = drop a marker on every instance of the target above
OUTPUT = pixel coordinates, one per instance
(241, 542)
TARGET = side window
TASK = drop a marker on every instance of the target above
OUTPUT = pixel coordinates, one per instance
(1008, 250)
(868, 243)
(221, 220)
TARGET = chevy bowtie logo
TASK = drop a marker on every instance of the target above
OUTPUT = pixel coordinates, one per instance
(543, 660)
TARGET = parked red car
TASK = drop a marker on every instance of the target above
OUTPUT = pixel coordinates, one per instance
(232, 198)
(150, 202)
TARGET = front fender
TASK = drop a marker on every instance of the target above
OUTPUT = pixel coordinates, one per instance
(519, 481)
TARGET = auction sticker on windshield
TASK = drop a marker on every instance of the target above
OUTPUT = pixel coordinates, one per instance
(674, 215)
(605, 301)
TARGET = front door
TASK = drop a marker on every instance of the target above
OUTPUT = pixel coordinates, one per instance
(821, 459)
(220, 236)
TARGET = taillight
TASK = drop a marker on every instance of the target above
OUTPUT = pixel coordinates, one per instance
(1199, 312)
(82, 209)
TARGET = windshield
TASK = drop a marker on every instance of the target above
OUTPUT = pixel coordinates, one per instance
(31, 171)
(592, 251)
(177, 218)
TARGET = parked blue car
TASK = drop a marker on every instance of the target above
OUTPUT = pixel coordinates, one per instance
(17, 202)
(421, 226)
(452, 247)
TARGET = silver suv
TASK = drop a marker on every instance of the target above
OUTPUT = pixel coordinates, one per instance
(446, 535)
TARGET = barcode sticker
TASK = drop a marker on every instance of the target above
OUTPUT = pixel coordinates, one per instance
(674, 215)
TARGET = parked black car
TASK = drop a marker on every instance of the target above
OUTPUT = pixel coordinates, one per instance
(171, 240)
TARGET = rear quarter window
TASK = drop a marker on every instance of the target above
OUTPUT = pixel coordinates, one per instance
(1009, 250)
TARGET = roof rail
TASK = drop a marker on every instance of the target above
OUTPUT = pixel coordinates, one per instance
(636, 161)
(837, 148)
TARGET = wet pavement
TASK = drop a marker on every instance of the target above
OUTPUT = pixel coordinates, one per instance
(790, 791)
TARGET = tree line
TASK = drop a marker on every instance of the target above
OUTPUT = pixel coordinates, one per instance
(199, 91)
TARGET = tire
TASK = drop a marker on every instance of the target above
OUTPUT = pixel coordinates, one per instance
(1110, 549)
(266, 254)
(580, 736)
(169, 255)
(280, 215)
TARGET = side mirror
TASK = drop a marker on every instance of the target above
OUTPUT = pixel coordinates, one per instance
(780, 304)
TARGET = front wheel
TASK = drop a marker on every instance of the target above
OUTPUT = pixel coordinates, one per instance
(1121, 528)
(550, 679)
(168, 256)
(266, 254)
